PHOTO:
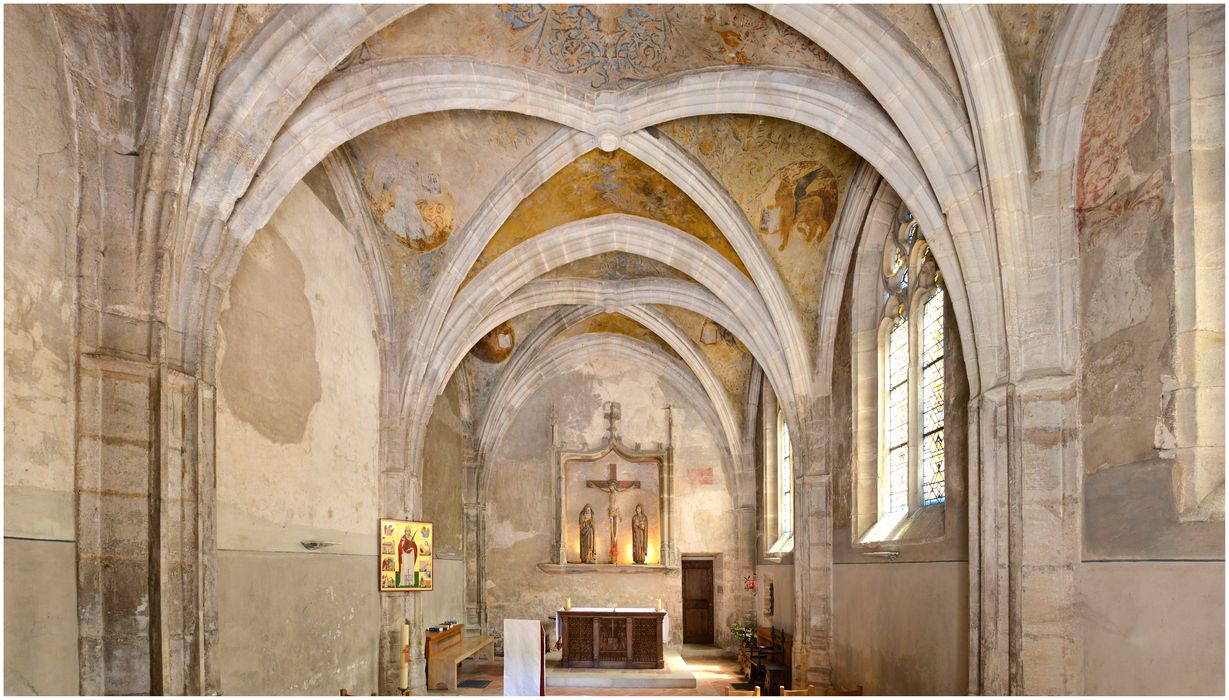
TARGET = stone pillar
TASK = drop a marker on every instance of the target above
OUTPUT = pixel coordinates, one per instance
(115, 447)
(813, 579)
(670, 550)
(1193, 430)
(400, 497)
(989, 590)
(475, 567)
(1045, 450)
(187, 541)
(744, 558)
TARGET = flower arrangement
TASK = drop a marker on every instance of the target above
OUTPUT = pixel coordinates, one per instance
(743, 633)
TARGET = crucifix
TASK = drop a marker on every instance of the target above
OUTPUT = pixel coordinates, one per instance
(610, 487)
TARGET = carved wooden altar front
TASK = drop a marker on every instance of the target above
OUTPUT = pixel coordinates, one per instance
(612, 639)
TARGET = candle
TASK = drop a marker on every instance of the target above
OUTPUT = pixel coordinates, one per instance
(405, 656)
(659, 605)
(567, 604)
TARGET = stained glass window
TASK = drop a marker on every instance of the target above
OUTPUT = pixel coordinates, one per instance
(898, 417)
(785, 472)
(932, 399)
(913, 372)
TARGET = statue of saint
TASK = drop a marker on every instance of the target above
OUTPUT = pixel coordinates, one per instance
(640, 535)
(588, 545)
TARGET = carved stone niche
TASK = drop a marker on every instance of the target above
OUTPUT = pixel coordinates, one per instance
(613, 477)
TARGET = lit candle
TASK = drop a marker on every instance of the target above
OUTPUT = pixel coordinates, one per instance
(405, 656)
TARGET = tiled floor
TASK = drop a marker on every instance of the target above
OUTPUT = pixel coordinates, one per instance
(713, 668)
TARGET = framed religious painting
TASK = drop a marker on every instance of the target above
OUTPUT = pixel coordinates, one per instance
(406, 555)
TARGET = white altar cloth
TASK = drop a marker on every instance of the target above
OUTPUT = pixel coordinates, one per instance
(523, 657)
(665, 620)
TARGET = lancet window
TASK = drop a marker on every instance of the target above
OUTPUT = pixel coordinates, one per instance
(912, 387)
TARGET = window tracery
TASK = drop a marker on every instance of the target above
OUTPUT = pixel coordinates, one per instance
(912, 387)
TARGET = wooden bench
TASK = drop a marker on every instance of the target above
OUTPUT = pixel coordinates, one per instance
(446, 650)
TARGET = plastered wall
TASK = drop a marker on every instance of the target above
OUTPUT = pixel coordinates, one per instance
(40, 592)
(781, 576)
(520, 511)
(297, 444)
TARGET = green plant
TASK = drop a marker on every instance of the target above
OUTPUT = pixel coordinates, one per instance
(742, 632)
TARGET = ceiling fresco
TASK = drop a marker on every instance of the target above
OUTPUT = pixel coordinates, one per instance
(604, 183)
(423, 178)
(603, 47)
(616, 265)
(788, 179)
(617, 323)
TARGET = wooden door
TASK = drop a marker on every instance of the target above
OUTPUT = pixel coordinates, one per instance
(697, 601)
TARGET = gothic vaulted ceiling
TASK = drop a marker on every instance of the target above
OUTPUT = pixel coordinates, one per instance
(676, 174)
(426, 181)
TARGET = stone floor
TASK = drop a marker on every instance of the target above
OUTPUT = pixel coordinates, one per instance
(714, 669)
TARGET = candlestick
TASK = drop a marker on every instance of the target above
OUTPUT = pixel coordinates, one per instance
(405, 656)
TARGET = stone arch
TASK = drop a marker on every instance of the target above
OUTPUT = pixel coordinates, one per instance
(548, 359)
(345, 182)
(855, 209)
(633, 300)
(1066, 79)
(933, 121)
(393, 89)
(864, 331)
(585, 238)
(609, 296)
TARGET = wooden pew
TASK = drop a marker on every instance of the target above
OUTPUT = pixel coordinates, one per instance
(446, 650)
(769, 658)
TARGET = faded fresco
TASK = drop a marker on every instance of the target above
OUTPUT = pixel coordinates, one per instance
(1124, 203)
(423, 177)
(604, 47)
(1122, 200)
(604, 183)
(616, 265)
(788, 179)
(614, 322)
(726, 354)
(496, 345)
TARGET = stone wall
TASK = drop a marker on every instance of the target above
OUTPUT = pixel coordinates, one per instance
(1151, 618)
(899, 625)
(297, 443)
(442, 491)
(520, 514)
(40, 258)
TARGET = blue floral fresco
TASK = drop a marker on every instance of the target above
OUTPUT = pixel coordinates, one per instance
(573, 40)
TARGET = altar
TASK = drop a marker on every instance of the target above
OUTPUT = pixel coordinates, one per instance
(612, 637)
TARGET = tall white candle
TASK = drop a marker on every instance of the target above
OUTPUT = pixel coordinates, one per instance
(405, 656)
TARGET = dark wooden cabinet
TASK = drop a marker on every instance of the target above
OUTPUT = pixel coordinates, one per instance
(614, 639)
(697, 601)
